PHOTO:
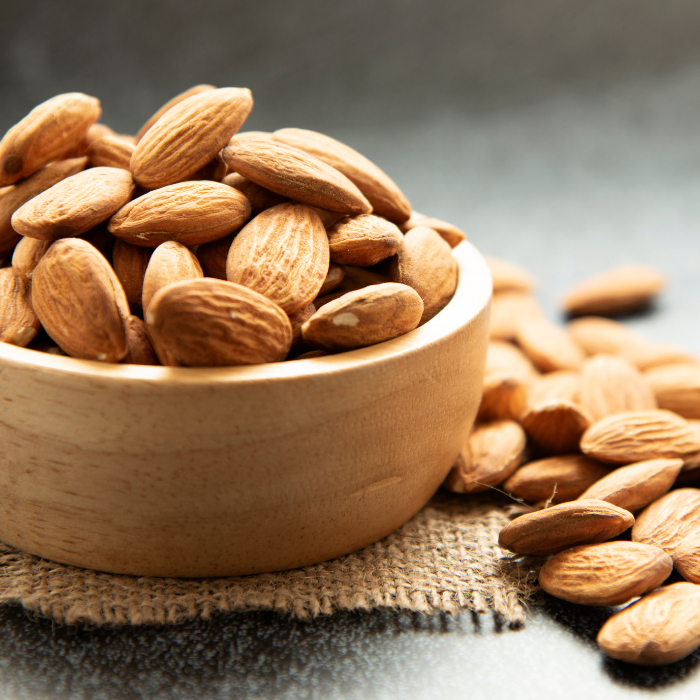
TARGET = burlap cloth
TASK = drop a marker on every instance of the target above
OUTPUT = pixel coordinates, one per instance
(445, 559)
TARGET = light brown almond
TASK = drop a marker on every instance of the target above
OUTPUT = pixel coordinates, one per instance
(364, 317)
(334, 277)
(196, 90)
(608, 573)
(212, 257)
(130, 262)
(22, 192)
(363, 240)
(503, 357)
(48, 133)
(26, 256)
(171, 262)
(189, 135)
(380, 190)
(18, 322)
(110, 151)
(452, 235)
(677, 388)
(686, 558)
(328, 217)
(283, 254)
(504, 397)
(555, 426)
(611, 385)
(139, 348)
(509, 277)
(561, 385)
(425, 262)
(635, 486)
(568, 524)
(548, 346)
(298, 319)
(208, 322)
(508, 309)
(601, 335)
(561, 478)
(190, 213)
(294, 174)
(80, 302)
(74, 205)
(662, 627)
(617, 291)
(494, 452)
(645, 355)
(97, 131)
(259, 197)
(640, 435)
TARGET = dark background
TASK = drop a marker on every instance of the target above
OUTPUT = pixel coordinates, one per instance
(560, 134)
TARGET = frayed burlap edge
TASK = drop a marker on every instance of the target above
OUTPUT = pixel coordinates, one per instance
(445, 559)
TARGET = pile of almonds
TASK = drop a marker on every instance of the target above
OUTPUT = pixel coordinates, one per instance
(195, 244)
(600, 431)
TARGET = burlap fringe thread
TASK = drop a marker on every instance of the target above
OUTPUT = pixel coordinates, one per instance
(445, 559)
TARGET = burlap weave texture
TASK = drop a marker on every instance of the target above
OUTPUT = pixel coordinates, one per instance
(445, 559)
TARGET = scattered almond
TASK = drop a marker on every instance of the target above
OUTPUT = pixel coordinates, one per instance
(555, 426)
(452, 235)
(677, 388)
(508, 309)
(601, 335)
(548, 346)
(560, 385)
(508, 277)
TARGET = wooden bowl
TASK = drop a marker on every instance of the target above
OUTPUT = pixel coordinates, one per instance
(216, 472)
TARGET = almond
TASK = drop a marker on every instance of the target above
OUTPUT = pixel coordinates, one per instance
(380, 190)
(190, 213)
(494, 452)
(555, 426)
(662, 627)
(611, 385)
(508, 277)
(561, 478)
(561, 385)
(283, 254)
(48, 133)
(95, 132)
(452, 235)
(18, 322)
(298, 319)
(22, 192)
(677, 388)
(208, 323)
(609, 573)
(364, 317)
(259, 197)
(640, 435)
(508, 309)
(74, 205)
(550, 530)
(601, 335)
(686, 558)
(294, 174)
(130, 262)
(80, 301)
(171, 262)
(506, 358)
(363, 240)
(425, 262)
(311, 354)
(548, 346)
(334, 277)
(635, 486)
(212, 257)
(26, 256)
(189, 135)
(139, 348)
(618, 291)
(645, 355)
(110, 151)
(504, 397)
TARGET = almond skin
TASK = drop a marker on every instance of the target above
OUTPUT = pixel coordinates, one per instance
(425, 262)
(208, 323)
(363, 240)
(560, 385)
(18, 321)
(686, 558)
(601, 335)
(504, 397)
(171, 262)
(190, 213)
(140, 351)
(380, 190)
(110, 151)
(609, 573)
(298, 319)
(130, 262)
(677, 388)
(662, 627)
(26, 256)
(508, 309)
(295, 174)
(509, 359)
(334, 277)
(212, 257)
(550, 530)
(189, 135)
(80, 301)
(555, 426)
(74, 205)
(452, 235)
(48, 133)
(283, 254)
(259, 197)
(548, 346)
(364, 317)
(509, 277)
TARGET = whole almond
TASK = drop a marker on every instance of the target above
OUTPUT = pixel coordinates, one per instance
(502, 357)
(561, 478)
(494, 452)
(364, 317)
(190, 213)
(509, 277)
(548, 346)
(18, 322)
(171, 262)
(48, 133)
(259, 197)
(26, 256)
(677, 388)
(334, 277)
(568, 524)
(196, 90)
(283, 254)
(611, 385)
(139, 348)
(608, 573)
(508, 309)
(295, 174)
(80, 301)
(425, 262)
(74, 205)
(212, 257)
(686, 558)
(380, 190)
(97, 131)
(452, 235)
(637, 485)
(208, 323)
(110, 151)
(560, 385)
(662, 627)
(555, 426)
(298, 319)
(601, 335)
(363, 240)
(645, 355)
(504, 397)
(22, 192)
(130, 262)
(189, 135)
(640, 435)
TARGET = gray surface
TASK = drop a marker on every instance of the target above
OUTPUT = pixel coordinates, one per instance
(561, 135)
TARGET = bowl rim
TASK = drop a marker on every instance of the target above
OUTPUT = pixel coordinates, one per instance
(472, 295)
